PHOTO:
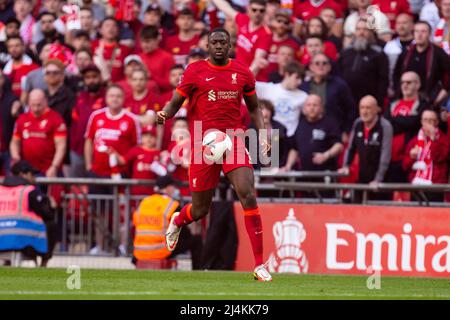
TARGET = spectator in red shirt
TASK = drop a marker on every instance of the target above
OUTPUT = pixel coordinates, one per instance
(19, 64)
(134, 62)
(141, 101)
(313, 46)
(90, 99)
(426, 155)
(304, 11)
(157, 61)
(109, 54)
(253, 37)
(181, 43)
(144, 161)
(40, 136)
(404, 115)
(113, 127)
(281, 27)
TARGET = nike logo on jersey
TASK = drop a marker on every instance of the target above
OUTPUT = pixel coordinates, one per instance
(209, 79)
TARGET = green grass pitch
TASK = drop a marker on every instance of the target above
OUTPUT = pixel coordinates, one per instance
(26, 283)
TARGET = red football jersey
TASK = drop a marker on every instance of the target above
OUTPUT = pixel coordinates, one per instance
(308, 9)
(215, 93)
(247, 42)
(115, 53)
(263, 75)
(180, 49)
(140, 160)
(17, 74)
(140, 107)
(37, 136)
(121, 132)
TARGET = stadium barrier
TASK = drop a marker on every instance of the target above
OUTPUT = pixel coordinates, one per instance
(85, 218)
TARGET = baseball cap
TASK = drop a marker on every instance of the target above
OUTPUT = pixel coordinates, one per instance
(23, 166)
(197, 52)
(90, 67)
(132, 57)
(149, 129)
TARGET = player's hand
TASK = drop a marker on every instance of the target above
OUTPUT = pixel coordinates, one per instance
(319, 157)
(161, 117)
(344, 170)
(51, 172)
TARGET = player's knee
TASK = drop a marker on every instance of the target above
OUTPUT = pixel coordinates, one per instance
(248, 198)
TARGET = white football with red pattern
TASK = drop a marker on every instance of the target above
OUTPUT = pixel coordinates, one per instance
(215, 144)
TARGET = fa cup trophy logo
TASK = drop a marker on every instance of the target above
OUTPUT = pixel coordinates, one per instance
(288, 257)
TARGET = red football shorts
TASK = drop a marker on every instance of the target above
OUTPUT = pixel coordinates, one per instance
(205, 175)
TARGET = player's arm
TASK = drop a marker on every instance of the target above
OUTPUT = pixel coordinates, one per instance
(171, 107)
(88, 152)
(226, 8)
(14, 148)
(257, 118)
(60, 152)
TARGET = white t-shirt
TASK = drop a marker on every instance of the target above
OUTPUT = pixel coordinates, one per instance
(288, 104)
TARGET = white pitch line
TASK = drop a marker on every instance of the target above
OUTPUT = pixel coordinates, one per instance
(158, 293)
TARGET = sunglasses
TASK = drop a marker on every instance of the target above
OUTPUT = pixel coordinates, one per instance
(285, 22)
(258, 10)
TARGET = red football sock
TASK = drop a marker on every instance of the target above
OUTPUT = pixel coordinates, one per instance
(253, 225)
(184, 218)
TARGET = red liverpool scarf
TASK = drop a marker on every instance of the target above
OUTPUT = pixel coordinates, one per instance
(424, 164)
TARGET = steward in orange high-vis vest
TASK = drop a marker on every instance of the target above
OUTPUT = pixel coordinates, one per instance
(150, 221)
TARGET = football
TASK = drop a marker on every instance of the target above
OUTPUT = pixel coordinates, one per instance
(215, 144)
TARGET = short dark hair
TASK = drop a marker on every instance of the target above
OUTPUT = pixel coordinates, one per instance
(260, 2)
(107, 19)
(425, 23)
(177, 66)
(221, 30)
(314, 36)
(85, 8)
(268, 105)
(46, 13)
(13, 20)
(16, 38)
(149, 32)
(186, 12)
(87, 50)
(294, 67)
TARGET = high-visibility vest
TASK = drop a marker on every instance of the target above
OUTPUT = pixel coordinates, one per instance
(19, 226)
(151, 220)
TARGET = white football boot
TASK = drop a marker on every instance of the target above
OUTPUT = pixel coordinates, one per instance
(173, 233)
(261, 274)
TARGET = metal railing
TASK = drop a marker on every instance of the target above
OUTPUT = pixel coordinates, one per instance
(83, 216)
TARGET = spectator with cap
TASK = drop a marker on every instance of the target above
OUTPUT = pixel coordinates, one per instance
(37, 216)
(49, 32)
(132, 63)
(9, 111)
(195, 54)
(281, 27)
(182, 42)
(157, 61)
(40, 136)
(364, 65)
(91, 98)
(334, 92)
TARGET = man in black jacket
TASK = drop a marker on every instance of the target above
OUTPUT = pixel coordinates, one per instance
(371, 139)
(364, 65)
(9, 110)
(38, 202)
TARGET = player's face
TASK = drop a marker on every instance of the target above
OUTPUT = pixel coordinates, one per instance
(219, 46)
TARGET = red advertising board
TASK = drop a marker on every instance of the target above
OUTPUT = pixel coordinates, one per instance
(342, 239)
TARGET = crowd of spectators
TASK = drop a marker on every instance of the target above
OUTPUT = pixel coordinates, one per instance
(345, 82)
